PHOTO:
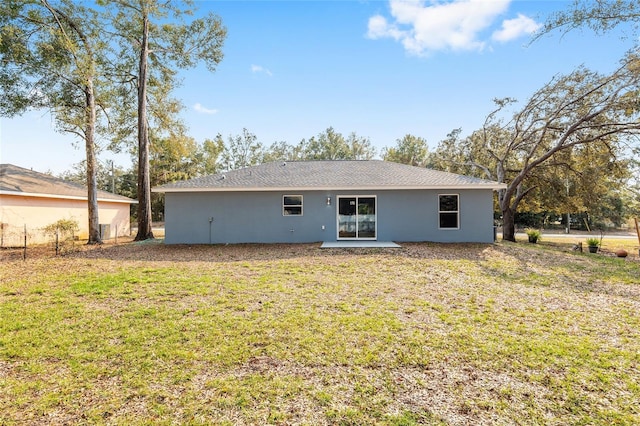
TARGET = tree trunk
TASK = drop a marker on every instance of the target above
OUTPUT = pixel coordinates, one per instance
(89, 125)
(508, 225)
(145, 230)
(92, 172)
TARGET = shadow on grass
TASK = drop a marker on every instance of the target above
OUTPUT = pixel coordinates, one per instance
(558, 265)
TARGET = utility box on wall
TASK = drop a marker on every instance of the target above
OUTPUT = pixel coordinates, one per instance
(105, 231)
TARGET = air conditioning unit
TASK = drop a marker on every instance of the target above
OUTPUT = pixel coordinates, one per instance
(105, 231)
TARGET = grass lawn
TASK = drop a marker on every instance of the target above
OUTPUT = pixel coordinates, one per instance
(292, 334)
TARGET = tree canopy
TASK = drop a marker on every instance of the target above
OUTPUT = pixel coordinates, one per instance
(410, 150)
(103, 67)
(156, 38)
(241, 151)
(600, 16)
(246, 150)
(332, 145)
(581, 111)
(53, 57)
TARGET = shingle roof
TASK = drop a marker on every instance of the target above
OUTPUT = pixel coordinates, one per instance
(16, 180)
(328, 175)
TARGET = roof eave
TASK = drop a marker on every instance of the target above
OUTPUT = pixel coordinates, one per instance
(65, 197)
(492, 185)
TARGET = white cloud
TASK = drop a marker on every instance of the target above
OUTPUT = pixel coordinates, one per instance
(379, 28)
(256, 69)
(424, 27)
(199, 108)
(515, 28)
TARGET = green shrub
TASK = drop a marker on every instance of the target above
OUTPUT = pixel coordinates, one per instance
(593, 242)
(64, 228)
(533, 234)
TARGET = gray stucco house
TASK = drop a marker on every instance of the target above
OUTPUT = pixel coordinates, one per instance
(314, 201)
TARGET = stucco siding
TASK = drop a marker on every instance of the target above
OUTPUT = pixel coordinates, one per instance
(249, 217)
(38, 212)
(413, 216)
(246, 217)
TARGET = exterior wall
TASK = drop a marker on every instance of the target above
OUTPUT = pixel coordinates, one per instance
(38, 212)
(256, 217)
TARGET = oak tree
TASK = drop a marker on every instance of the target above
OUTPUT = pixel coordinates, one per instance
(601, 16)
(576, 111)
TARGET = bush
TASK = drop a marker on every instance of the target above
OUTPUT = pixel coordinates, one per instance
(593, 242)
(62, 231)
(533, 234)
(64, 228)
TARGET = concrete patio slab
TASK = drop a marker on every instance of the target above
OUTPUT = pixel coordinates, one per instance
(359, 244)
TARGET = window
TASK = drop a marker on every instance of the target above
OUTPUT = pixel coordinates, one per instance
(448, 211)
(357, 217)
(292, 205)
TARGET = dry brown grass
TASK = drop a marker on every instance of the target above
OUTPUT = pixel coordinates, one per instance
(143, 333)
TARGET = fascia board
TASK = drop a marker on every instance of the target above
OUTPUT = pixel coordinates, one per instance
(64, 197)
(493, 186)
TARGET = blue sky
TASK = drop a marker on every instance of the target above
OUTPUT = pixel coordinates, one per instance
(381, 69)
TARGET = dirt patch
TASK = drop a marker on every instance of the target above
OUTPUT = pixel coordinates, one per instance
(156, 250)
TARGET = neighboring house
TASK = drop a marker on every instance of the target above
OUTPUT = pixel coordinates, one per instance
(34, 200)
(309, 201)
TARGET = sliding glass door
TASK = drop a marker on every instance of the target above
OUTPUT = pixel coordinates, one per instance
(357, 218)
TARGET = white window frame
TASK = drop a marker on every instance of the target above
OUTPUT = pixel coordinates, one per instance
(457, 212)
(284, 206)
